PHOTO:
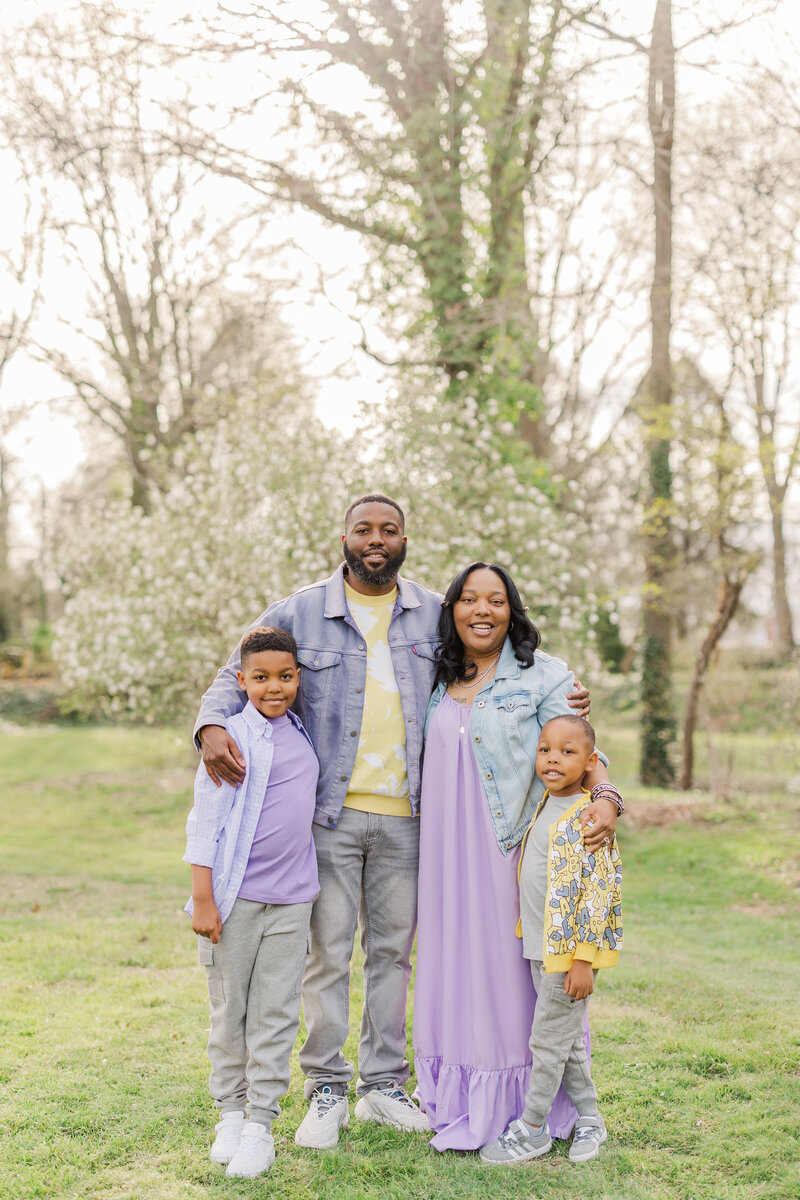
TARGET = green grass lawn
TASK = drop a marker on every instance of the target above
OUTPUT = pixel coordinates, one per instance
(103, 1014)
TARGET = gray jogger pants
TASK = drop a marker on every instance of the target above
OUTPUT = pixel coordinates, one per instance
(557, 1049)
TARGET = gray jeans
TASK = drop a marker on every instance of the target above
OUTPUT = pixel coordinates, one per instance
(557, 1049)
(254, 973)
(368, 876)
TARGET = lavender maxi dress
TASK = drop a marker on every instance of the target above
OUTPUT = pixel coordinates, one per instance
(473, 997)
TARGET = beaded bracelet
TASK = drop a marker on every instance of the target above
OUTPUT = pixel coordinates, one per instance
(609, 792)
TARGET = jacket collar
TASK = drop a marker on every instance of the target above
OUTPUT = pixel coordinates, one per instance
(336, 601)
(509, 666)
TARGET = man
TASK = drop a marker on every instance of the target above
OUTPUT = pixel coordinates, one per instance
(366, 643)
(366, 647)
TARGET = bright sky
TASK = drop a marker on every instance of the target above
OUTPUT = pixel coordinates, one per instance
(49, 444)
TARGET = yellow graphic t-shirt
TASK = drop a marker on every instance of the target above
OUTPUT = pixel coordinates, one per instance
(379, 782)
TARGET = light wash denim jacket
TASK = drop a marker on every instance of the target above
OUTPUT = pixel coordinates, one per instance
(505, 721)
(333, 657)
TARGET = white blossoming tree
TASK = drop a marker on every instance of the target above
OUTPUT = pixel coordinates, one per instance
(156, 601)
(474, 493)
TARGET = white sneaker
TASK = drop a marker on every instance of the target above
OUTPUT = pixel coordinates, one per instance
(389, 1105)
(228, 1132)
(256, 1152)
(327, 1114)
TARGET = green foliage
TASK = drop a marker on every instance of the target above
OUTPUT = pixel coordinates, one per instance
(610, 647)
(103, 1014)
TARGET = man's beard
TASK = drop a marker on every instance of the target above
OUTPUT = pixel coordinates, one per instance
(374, 576)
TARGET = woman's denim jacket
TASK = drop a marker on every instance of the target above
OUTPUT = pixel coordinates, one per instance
(506, 718)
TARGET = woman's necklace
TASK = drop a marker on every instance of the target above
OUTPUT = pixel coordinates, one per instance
(462, 687)
(472, 685)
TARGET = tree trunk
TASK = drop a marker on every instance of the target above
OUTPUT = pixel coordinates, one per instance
(658, 726)
(8, 617)
(783, 613)
(729, 592)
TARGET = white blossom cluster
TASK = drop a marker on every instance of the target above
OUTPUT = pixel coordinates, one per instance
(157, 601)
(471, 495)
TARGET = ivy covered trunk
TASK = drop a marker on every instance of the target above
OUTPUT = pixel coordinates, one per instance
(658, 724)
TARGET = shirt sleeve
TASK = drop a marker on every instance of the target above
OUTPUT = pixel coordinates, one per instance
(206, 821)
(594, 901)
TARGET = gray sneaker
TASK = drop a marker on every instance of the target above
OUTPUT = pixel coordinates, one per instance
(388, 1104)
(590, 1133)
(518, 1143)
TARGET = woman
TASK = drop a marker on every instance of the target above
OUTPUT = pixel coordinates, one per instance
(474, 999)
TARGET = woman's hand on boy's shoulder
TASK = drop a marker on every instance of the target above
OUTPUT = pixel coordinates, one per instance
(598, 821)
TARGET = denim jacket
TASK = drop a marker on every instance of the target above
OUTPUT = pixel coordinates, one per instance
(333, 658)
(505, 721)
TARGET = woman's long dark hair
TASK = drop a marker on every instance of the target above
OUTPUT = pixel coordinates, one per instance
(522, 633)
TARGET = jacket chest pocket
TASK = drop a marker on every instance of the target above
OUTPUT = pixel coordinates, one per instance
(423, 656)
(317, 672)
(514, 707)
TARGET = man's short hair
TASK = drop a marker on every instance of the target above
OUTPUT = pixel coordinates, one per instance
(375, 498)
(582, 727)
(268, 637)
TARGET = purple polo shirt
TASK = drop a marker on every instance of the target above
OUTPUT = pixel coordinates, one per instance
(282, 867)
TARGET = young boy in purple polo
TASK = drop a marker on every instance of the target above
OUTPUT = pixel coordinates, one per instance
(254, 879)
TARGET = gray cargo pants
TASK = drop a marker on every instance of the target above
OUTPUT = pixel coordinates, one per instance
(557, 1049)
(254, 973)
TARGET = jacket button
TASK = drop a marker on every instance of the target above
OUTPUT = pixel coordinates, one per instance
(353, 733)
(330, 820)
(480, 704)
(316, 662)
(359, 691)
(343, 778)
(488, 774)
(477, 737)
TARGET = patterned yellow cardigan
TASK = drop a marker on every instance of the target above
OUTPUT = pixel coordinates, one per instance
(583, 914)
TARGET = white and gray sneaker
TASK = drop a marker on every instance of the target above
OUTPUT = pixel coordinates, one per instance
(517, 1144)
(388, 1104)
(256, 1152)
(228, 1131)
(327, 1114)
(590, 1133)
